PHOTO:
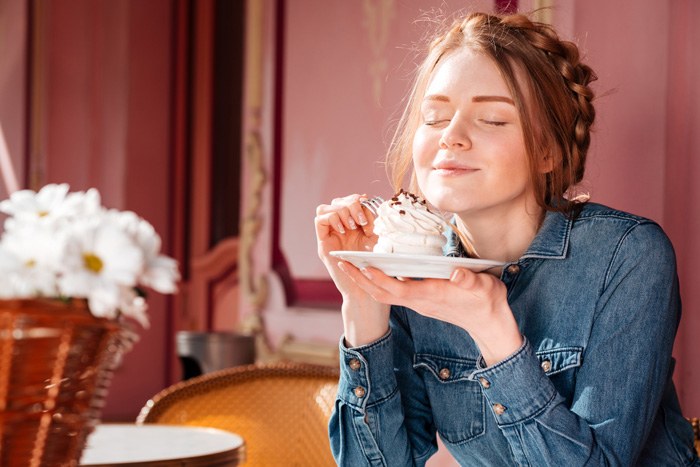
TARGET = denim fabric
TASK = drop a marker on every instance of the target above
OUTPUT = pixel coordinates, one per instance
(597, 301)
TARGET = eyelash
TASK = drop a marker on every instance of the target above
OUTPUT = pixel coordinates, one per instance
(495, 123)
(488, 122)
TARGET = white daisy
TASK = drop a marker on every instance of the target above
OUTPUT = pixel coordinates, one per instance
(10, 266)
(50, 204)
(160, 272)
(37, 252)
(98, 260)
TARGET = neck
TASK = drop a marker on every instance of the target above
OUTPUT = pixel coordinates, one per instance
(503, 236)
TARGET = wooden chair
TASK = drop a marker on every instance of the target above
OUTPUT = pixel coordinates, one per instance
(696, 429)
(280, 410)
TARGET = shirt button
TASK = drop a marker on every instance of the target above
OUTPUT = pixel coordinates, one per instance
(484, 383)
(354, 364)
(499, 409)
(513, 269)
(359, 392)
(546, 365)
(444, 374)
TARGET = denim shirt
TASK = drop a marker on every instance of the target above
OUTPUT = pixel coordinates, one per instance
(597, 301)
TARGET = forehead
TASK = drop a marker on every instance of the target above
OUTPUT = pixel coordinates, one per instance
(467, 72)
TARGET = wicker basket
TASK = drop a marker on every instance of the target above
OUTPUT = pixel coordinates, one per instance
(56, 363)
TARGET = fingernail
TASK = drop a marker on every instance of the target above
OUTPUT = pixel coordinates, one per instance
(342, 267)
(362, 219)
(457, 275)
(351, 221)
(367, 274)
(340, 227)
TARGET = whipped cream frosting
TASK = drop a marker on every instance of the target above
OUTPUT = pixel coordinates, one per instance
(404, 224)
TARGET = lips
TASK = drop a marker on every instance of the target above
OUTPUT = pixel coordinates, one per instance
(452, 166)
(453, 169)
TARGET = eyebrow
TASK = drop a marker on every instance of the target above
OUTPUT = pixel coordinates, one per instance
(507, 100)
(436, 97)
(441, 98)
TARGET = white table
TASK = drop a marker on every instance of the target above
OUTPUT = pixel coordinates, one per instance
(161, 445)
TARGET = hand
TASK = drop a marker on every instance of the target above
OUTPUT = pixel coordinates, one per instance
(346, 225)
(343, 225)
(476, 302)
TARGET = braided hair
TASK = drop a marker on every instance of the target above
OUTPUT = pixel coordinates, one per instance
(556, 116)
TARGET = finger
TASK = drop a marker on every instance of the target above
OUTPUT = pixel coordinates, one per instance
(349, 209)
(339, 203)
(341, 219)
(368, 279)
(368, 218)
(324, 209)
(328, 223)
(464, 278)
(358, 212)
(345, 200)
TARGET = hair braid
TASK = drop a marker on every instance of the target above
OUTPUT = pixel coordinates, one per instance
(564, 57)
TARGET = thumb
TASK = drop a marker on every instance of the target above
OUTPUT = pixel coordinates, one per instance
(463, 278)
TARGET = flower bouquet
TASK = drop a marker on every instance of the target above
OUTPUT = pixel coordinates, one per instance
(72, 280)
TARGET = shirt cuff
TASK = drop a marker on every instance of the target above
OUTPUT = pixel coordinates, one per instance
(516, 388)
(367, 372)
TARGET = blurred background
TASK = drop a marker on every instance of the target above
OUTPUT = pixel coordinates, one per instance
(225, 122)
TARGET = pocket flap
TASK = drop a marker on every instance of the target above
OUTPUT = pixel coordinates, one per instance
(446, 369)
(557, 360)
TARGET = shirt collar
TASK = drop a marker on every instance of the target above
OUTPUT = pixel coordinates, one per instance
(551, 241)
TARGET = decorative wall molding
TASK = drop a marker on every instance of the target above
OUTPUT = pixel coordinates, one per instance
(254, 285)
(543, 11)
(378, 15)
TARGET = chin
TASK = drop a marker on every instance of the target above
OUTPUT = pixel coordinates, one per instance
(446, 201)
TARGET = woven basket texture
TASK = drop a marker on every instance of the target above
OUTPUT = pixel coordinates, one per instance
(280, 410)
(56, 364)
(696, 431)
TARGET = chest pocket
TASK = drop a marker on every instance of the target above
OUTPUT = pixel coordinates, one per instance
(561, 365)
(457, 403)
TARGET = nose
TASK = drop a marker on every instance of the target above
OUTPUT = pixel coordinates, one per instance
(455, 136)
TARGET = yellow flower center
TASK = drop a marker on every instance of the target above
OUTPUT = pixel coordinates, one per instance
(30, 263)
(92, 262)
(42, 213)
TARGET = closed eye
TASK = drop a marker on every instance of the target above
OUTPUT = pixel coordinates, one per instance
(434, 122)
(494, 122)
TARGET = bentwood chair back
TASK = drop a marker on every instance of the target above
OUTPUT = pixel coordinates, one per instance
(696, 429)
(280, 410)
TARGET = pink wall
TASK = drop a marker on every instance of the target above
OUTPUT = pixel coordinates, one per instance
(105, 99)
(13, 67)
(682, 200)
(647, 134)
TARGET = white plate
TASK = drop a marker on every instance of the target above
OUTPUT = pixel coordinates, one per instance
(415, 266)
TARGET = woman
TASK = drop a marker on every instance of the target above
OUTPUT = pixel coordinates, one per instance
(564, 355)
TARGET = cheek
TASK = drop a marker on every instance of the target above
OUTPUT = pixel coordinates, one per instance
(423, 149)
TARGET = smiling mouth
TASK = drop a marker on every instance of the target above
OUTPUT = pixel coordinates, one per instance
(451, 171)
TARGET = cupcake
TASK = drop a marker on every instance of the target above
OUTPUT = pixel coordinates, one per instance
(404, 224)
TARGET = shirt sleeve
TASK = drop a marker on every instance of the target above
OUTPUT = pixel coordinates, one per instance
(626, 368)
(368, 427)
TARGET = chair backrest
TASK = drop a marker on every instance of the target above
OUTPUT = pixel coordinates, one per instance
(696, 429)
(280, 410)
